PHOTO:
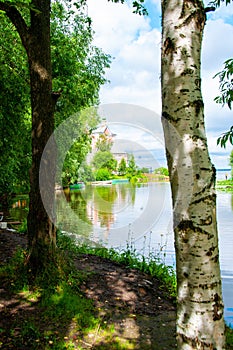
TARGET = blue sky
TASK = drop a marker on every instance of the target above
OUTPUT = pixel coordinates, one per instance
(134, 42)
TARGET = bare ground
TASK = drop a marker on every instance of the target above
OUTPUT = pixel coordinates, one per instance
(140, 310)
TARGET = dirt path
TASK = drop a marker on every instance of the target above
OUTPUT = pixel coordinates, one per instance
(132, 301)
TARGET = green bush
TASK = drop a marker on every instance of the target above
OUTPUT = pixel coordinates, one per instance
(102, 174)
(162, 171)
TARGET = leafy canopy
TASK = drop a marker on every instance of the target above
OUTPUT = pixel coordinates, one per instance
(225, 97)
(138, 6)
(15, 125)
(78, 72)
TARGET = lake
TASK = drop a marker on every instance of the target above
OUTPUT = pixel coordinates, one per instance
(141, 216)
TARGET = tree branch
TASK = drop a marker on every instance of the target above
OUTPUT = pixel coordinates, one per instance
(17, 20)
(209, 9)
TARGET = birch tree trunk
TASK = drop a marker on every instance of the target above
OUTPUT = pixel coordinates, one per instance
(200, 323)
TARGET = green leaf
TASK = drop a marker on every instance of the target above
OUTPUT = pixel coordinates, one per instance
(228, 136)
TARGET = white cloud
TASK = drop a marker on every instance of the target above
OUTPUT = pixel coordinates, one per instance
(147, 149)
(219, 156)
(135, 46)
(216, 48)
(215, 51)
(135, 71)
(223, 12)
(144, 50)
(115, 24)
(218, 118)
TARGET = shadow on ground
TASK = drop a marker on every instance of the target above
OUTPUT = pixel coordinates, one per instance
(133, 311)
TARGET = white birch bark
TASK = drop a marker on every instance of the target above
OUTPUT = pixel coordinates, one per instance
(200, 323)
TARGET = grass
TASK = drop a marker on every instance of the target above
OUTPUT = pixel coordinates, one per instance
(56, 315)
(229, 338)
(62, 313)
(225, 185)
(129, 257)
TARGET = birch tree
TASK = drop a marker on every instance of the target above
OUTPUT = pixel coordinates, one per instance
(200, 323)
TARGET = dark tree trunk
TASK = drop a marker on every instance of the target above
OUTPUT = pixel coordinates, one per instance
(36, 40)
(41, 229)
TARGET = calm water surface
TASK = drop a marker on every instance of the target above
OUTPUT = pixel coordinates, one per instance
(115, 215)
(140, 215)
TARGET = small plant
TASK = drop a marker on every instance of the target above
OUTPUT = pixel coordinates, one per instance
(14, 274)
(29, 332)
(229, 338)
(23, 227)
(55, 296)
(132, 259)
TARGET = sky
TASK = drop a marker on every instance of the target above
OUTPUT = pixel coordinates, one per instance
(134, 43)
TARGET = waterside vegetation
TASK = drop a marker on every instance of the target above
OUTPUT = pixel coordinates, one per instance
(52, 310)
(225, 185)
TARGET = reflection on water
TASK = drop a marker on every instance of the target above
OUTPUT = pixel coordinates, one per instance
(19, 208)
(225, 224)
(143, 215)
(115, 215)
(98, 207)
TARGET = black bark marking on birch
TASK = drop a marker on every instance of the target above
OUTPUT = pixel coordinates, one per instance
(198, 105)
(195, 343)
(200, 18)
(214, 173)
(193, 10)
(216, 258)
(202, 302)
(198, 83)
(217, 308)
(187, 71)
(187, 105)
(206, 187)
(164, 4)
(168, 46)
(207, 286)
(204, 169)
(182, 35)
(186, 225)
(198, 137)
(183, 91)
(206, 222)
(168, 117)
(196, 255)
